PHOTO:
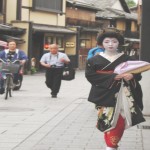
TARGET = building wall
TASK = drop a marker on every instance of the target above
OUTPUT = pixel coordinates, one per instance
(71, 43)
(70, 50)
(43, 17)
(34, 16)
(28, 15)
(24, 25)
(11, 8)
(27, 3)
(1, 18)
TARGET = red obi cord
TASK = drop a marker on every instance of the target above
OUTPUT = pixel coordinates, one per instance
(113, 136)
(105, 71)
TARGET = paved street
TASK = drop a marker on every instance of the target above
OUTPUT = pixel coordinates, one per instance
(32, 120)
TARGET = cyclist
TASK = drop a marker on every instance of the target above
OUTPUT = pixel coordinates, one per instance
(12, 54)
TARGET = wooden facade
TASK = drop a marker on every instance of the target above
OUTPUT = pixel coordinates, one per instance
(80, 14)
(41, 24)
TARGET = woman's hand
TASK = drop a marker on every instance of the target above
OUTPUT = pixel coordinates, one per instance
(118, 77)
(125, 76)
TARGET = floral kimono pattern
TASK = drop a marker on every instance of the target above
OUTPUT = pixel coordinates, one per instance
(125, 104)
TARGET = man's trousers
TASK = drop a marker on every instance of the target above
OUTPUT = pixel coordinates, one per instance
(53, 79)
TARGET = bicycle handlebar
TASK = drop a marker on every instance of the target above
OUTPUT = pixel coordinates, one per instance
(9, 66)
(8, 61)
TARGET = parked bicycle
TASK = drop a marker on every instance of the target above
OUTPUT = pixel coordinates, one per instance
(9, 69)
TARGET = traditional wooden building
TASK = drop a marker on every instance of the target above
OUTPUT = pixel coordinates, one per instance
(116, 13)
(73, 24)
(81, 15)
(8, 31)
(44, 24)
(91, 16)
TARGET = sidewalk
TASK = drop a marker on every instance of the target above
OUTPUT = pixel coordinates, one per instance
(32, 120)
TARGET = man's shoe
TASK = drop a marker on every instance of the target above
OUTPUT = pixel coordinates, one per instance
(54, 96)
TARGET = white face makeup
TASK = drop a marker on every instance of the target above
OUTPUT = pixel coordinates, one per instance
(110, 44)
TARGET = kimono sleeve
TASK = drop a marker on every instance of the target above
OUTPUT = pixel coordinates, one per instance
(104, 80)
(138, 76)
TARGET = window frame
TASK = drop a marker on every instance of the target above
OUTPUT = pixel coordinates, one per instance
(47, 9)
(47, 42)
(58, 39)
(19, 13)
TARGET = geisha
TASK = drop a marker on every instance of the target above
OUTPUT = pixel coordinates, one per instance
(118, 97)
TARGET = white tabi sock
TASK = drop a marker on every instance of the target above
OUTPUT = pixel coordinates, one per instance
(110, 148)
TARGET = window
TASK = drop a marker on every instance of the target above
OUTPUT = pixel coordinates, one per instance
(48, 5)
(18, 15)
(47, 41)
(59, 41)
(128, 25)
(83, 43)
(112, 23)
(51, 39)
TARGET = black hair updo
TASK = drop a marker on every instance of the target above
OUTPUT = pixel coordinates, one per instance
(110, 33)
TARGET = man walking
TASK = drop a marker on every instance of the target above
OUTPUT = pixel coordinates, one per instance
(54, 63)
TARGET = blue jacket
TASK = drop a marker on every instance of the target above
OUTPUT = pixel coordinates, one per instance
(19, 55)
(92, 52)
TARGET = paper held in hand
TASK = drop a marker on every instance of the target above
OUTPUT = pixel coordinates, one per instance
(132, 67)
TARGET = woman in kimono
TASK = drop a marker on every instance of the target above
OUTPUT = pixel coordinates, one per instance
(118, 97)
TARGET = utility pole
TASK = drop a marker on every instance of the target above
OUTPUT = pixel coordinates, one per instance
(145, 31)
(145, 51)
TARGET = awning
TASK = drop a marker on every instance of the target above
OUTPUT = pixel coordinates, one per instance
(84, 4)
(54, 29)
(3, 44)
(7, 38)
(132, 40)
(7, 29)
(85, 29)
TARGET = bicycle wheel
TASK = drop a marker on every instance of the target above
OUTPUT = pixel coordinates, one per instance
(8, 86)
(10, 92)
(6, 92)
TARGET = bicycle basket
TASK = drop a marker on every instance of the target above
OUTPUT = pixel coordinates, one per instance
(13, 68)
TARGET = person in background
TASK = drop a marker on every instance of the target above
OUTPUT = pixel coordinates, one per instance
(96, 50)
(12, 54)
(54, 63)
(116, 111)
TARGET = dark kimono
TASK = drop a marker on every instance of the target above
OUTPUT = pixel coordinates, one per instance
(99, 72)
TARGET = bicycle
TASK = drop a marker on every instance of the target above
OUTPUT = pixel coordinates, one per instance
(9, 68)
